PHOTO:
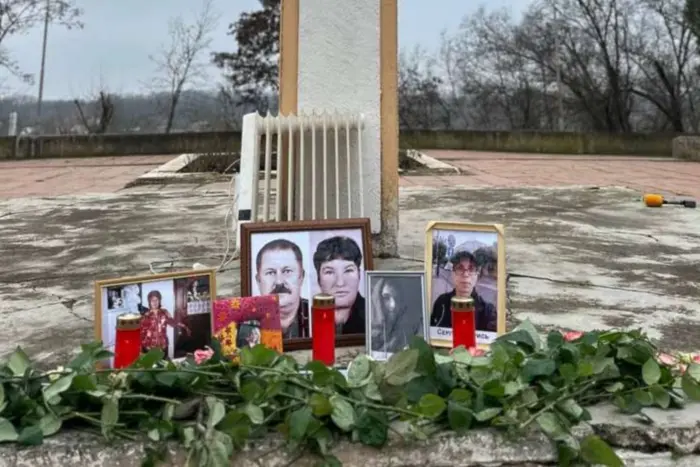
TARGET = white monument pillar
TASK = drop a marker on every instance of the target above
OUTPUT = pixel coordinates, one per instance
(342, 56)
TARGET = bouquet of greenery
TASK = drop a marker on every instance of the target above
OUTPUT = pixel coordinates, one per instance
(214, 406)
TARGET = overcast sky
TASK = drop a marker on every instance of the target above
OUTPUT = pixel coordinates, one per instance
(119, 35)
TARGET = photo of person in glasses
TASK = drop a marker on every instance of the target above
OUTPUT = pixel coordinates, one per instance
(472, 260)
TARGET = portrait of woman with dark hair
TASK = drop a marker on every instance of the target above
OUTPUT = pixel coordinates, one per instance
(396, 311)
(155, 322)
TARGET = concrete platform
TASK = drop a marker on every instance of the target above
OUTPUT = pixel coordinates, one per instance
(580, 258)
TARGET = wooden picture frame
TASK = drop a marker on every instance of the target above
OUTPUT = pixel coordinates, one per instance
(394, 293)
(473, 251)
(307, 236)
(187, 296)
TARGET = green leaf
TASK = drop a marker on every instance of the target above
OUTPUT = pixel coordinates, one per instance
(251, 391)
(549, 423)
(50, 424)
(218, 454)
(59, 386)
(19, 362)
(571, 408)
(597, 452)
(84, 383)
(31, 436)
(167, 378)
(358, 371)
(529, 328)
(458, 416)
(568, 371)
(343, 415)
(372, 392)
(109, 416)
(2, 397)
(426, 357)
(690, 387)
(217, 412)
(373, 428)
(651, 372)
(487, 414)
(7, 431)
(299, 422)
(320, 405)
(258, 356)
(661, 396)
(536, 368)
(254, 413)
(431, 405)
(149, 359)
(645, 398)
(461, 396)
(401, 366)
(693, 371)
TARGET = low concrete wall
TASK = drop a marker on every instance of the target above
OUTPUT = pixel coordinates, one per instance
(183, 143)
(686, 148)
(633, 144)
(27, 147)
(672, 440)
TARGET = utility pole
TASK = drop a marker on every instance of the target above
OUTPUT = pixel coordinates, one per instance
(43, 60)
(557, 64)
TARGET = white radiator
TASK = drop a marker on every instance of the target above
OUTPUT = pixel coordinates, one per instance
(323, 166)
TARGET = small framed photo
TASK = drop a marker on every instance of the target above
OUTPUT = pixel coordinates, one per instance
(395, 311)
(465, 260)
(299, 259)
(247, 321)
(175, 309)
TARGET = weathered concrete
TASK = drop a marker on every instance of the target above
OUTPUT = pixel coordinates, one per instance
(686, 148)
(578, 258)
(673, 439)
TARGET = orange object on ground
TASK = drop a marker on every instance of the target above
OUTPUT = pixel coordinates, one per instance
(656, 201)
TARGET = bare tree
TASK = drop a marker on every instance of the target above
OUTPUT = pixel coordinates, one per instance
(96, 115)
(182, 62)
(20, 16)
(422, 103)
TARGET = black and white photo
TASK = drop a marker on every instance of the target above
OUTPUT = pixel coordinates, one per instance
(395, 311)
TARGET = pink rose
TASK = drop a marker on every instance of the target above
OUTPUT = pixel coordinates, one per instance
(696, 358)
(476, 352)
(667, 359)
(202, 356)
(572, 336)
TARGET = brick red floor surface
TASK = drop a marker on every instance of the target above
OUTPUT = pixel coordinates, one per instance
(54, 177)
(665, 176)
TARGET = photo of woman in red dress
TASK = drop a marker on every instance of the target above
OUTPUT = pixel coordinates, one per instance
(155, 322)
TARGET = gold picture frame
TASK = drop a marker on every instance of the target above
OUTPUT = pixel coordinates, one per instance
(438, 335)
(192, 296)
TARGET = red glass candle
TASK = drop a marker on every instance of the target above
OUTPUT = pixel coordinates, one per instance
(463, 322)
(323, 329)
(128, 342)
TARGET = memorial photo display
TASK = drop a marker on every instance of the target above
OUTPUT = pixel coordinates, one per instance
(297, 260)
(175, 310)
(395, 311)
(465, 260)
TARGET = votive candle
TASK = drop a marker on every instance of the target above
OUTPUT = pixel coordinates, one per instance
(128, 340)
(463, 322)
(323, 328)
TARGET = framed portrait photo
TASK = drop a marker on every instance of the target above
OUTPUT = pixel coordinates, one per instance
(175, 309)
(299, 259)
(465, 260)
(395, 311)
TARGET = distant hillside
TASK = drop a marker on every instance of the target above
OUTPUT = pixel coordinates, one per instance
(197, 111)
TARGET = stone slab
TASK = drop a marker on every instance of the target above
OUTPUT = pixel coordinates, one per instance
(666, 442)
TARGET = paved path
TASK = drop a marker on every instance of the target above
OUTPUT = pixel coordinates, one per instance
(54, 177)
(492, 169)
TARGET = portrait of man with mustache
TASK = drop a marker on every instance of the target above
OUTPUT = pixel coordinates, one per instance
(280, 271)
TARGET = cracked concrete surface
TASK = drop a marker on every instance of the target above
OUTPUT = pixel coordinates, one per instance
(580, 258)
